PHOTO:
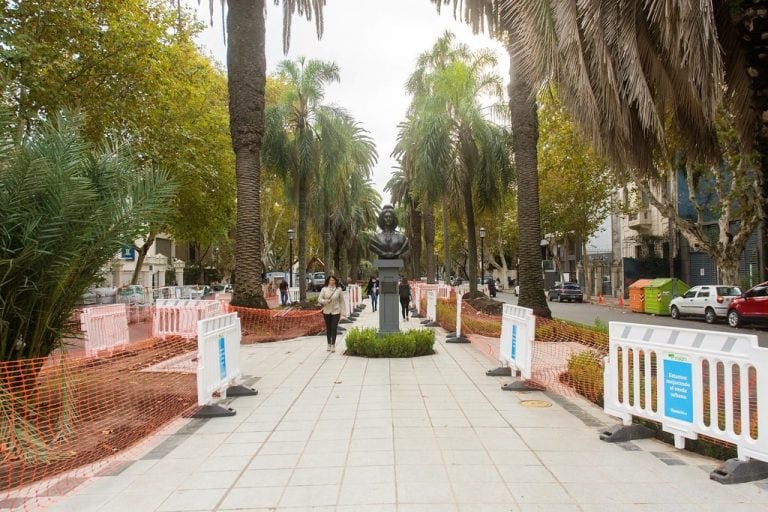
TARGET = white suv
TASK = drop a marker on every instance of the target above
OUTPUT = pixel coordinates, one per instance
(710, 301)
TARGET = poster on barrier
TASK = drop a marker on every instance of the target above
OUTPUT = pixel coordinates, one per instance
(678, 388)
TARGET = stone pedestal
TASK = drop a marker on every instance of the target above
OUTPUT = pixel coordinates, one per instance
(389, 300)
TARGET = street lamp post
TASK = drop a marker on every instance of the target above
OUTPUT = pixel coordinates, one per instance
(290, 256)
(482, 255)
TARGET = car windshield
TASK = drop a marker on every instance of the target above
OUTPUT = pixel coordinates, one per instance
(728, 291)
(572, 286)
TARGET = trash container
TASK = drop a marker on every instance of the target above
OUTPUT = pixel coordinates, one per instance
(637, 295)
(659, 292)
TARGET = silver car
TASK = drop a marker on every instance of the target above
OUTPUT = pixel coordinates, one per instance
(710, 301)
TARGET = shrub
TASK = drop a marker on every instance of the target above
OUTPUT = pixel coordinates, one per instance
(585, 373)
(366, 343)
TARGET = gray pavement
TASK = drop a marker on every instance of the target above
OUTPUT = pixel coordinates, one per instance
(328, 432)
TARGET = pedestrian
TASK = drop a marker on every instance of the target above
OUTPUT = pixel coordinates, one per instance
(332, 299)
(491, 288)
(372, 290)
(404, 290)
(284, 292)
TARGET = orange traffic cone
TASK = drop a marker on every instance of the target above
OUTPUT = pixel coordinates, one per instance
(621, 301)
(600, 299)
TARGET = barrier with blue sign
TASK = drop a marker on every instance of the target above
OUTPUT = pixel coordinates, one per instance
(693, 382)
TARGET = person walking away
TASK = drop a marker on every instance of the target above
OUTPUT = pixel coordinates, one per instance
(332, 299)
(492, 288)
(284, 292)
(404, 290)
(372, 291)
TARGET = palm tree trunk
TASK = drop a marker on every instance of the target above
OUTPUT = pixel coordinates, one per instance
(302, 236)
(415, 241)
(354, 260)
(471, 238)
(526, 134)
(446, 249)
(247, 71)
(429, 241)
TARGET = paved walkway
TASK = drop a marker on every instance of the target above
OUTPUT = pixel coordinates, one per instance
(329, 432)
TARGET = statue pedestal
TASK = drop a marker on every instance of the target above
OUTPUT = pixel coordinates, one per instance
(389, 299)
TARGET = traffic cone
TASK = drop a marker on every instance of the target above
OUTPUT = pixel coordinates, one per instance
(600, 299)
(621, 301)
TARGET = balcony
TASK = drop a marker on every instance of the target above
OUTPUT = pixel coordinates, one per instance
(640, 220)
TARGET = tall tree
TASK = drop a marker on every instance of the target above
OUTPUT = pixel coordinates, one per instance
(488, 15)
(247, 73)
(455, 142)
(315, 146)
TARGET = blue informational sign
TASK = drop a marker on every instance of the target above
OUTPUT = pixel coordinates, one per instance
(222, 358)
(513, 349)
(678, 389)
(127, 253)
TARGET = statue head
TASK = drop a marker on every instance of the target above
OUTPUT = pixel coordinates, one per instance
(387, 220)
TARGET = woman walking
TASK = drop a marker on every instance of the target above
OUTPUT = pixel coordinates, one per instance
(332, 300)
(404, 290)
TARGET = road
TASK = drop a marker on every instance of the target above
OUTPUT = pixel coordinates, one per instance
(587, 314)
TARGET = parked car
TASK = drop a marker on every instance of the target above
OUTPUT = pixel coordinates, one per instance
(221, 288)
(566, 291)
(318, 281)
(752, 306)
(710, 301)
(517, 290)
(130, 294)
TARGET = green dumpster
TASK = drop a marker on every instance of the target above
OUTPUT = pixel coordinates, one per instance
(659, 292)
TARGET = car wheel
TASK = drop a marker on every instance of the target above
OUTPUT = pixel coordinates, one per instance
(709, 316)
(674, 312)
(550, 298)
(733, 318)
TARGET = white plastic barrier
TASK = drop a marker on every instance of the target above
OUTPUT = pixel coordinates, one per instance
(347, 303)
(458, 312)
(293, 294)
(416, 296)
(462, 289)
(518, 330)
(354, 295)
(218, 356)
(703, 382)
(105, 328)
(432, 305)
(443, 291)
(177, 317)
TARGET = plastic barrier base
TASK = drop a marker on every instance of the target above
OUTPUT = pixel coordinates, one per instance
(430, 323)
(457, 339)
(735, 471)
(360, 307)
(518, 385)
(214, 411)
(354, 315)
(622, 433)
(344, 321)
(501, 371)
(241, 391)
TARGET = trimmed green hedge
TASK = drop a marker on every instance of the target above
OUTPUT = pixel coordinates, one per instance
(366, 343)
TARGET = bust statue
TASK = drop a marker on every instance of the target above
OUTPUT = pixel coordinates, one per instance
(389, 244)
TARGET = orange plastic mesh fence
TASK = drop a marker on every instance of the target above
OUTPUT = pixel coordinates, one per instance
(62, 413)
(268, 325)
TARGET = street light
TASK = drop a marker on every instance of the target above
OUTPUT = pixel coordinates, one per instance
(290, 256)
(482, 255)
(544, 243)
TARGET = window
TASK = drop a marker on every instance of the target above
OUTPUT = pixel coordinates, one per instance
(728, 291)
(704, 293)
(690, 293)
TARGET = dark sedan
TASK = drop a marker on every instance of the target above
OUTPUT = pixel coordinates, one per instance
(566, 291)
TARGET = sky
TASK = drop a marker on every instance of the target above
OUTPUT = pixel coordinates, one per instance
(375, 44)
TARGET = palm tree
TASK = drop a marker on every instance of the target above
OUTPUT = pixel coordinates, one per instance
(315, 147)
(247, 74)
(454, 143)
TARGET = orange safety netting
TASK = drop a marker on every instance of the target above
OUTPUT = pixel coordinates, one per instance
(64, 413)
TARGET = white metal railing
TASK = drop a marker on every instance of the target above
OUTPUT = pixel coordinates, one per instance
(218, 358)
(105, 328)
(177, 317)
(693, 382)
(518, 330)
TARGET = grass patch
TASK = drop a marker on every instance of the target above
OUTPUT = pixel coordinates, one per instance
(413, 343)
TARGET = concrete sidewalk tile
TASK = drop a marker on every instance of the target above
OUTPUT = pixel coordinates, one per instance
(230, 463)
(371, 445)
(322, 460)
(134, 501)
(371, 458)
(367, 494)
(422, 507)
(419, 457)
(229, 449)
(421, 473)
(274, 461)
(369, 475)
(81, 503)
(264, 478)
(468, 475)
(466, 457)
(282, 447)
(326, 445)
(210, 480)
(192, 499)
(316, 476)
(421, 492)
(541, 493)
(290, 435)
(252, 497)
(309, 496)
(482, 492)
